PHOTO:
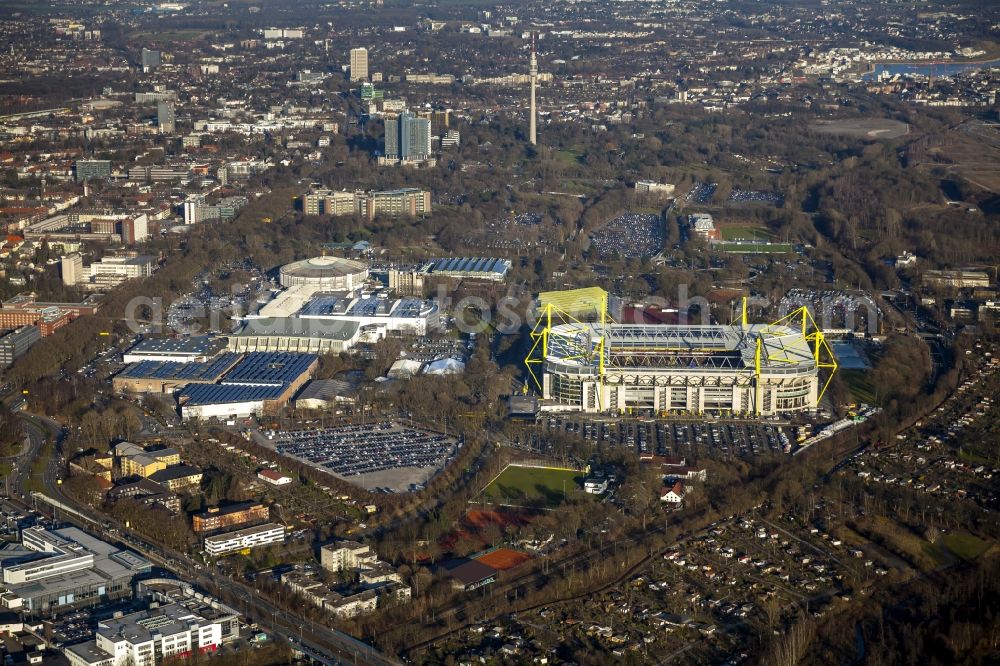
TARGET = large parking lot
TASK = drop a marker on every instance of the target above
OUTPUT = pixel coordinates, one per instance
(718, 438)
(381, 456)
(702, 193)
(630, 235)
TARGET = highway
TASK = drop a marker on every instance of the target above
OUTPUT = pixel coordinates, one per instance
(321, 643)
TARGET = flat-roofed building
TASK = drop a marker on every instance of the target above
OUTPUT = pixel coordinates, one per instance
(292, 334)
(244, 539)
(47, 320)
(217, 518)
(406, 315)
(168, 376)
(407, 201)
(113, 271)
(177, 350)
(63, 568)
(71, 267)
(474, 268)
(15, 344)
(84, 170)
(654, 188)
(959, 279)
(347, 555)
(148, 638)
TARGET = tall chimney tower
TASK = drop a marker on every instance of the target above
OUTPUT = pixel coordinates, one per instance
(533, 71)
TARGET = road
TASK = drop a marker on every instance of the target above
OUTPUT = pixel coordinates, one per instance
(322, 643)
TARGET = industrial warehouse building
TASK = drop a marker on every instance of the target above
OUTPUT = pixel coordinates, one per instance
(227, 386)
(176, 350)
(261, 383)
(169, 376)
(292, 334)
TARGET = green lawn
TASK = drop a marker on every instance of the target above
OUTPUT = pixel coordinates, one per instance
(173, 34)
(861, 385)
(731, 232)
(965, 545)
(568, 156)
(760, 248)
(531, 486)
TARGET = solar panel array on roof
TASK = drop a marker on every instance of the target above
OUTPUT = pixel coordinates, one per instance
(215, 394)
(470, 265)
(371, 306)
(180, 371)
(269, 368)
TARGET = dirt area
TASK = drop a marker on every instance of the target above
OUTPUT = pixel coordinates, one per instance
(864, 128)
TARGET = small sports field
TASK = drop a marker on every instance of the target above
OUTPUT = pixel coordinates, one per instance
(542, 487)
(749, 247)
(504, 558)
(747, 232)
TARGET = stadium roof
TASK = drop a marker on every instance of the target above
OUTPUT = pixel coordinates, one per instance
(731, 346)
(576, 302)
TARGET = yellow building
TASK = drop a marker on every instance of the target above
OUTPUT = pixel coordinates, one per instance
(133, 460)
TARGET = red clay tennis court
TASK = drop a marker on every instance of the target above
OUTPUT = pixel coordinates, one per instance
(504, 558)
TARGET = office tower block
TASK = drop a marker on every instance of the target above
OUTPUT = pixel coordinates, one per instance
(84, 170)
(150, 59)
(71, 267)
(408, 138)
(359, 64)
(414, 137)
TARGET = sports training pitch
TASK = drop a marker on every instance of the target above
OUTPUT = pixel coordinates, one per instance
(541, 487)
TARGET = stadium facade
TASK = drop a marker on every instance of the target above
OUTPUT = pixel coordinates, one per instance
(745, 369)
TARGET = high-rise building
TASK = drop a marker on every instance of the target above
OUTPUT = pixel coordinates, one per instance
(408, 138)
(166, 118)
(150, 59)
(84, 170)
(72, 269)
(134, 229)
(359, 64)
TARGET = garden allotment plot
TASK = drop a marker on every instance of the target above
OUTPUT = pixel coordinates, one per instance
(534, 487)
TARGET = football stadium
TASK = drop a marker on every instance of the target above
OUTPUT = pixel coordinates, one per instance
(739, 369)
